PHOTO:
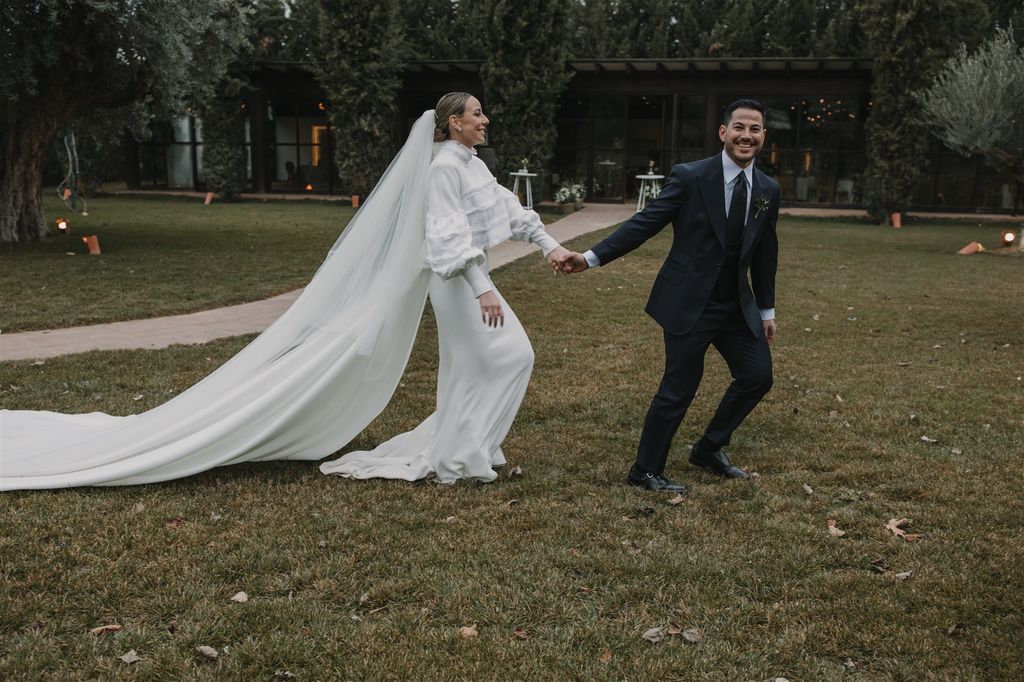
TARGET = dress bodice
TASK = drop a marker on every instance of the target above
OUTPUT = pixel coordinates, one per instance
(468, 212)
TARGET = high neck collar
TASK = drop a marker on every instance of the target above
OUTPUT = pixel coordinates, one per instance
(461, 151)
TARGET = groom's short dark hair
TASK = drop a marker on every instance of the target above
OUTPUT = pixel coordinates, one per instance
(744, 103)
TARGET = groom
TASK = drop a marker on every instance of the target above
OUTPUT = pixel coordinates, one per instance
(723, 213)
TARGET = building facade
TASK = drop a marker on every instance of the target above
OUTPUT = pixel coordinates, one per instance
(618, 119)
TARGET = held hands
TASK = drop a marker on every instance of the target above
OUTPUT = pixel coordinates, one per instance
(490, 309)
(567, 262)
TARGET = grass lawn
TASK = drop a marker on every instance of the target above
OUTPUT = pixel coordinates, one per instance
(886, 338)
(163, 256)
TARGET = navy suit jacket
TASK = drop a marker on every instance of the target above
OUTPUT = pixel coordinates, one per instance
(693, 201)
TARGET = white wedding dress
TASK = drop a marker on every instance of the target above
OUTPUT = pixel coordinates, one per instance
(483, 371)
(328, 366)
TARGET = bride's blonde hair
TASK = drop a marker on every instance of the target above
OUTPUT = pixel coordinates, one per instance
(451, 104)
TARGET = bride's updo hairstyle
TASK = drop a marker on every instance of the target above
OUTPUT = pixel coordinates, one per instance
(452, 104)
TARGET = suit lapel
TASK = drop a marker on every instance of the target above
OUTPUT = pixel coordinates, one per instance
(712, 193)
(753, 223)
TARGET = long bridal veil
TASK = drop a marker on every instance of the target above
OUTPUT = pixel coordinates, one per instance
(301, 390)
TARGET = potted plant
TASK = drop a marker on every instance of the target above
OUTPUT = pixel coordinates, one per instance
(569, 196)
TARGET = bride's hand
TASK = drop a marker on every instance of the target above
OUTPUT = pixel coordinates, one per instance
(557, 256)
(490, 309)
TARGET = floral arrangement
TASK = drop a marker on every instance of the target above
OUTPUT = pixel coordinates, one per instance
(570, 192)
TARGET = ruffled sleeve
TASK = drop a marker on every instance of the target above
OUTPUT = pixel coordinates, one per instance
(450, 251)
(525, 223)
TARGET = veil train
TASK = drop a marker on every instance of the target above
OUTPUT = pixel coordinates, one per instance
(302, 389)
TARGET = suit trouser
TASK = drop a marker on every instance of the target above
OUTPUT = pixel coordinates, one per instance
(749, 360)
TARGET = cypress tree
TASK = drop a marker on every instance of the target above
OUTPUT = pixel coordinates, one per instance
(910, 41)
(524, 75)
(362, 48)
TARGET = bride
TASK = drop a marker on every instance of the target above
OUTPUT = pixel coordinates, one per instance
(328, 366)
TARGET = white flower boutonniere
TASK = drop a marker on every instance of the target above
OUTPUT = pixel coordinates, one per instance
(761, 204)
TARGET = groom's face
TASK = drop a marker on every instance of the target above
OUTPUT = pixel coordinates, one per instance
(743, 136)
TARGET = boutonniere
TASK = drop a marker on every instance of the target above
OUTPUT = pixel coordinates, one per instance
(761, 204)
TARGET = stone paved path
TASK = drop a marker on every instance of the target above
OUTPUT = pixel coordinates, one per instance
(248, 318)
(254, 317)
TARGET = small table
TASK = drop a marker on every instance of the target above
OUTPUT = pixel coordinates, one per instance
(529, 190)
(648, 184)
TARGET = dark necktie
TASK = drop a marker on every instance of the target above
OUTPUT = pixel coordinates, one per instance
(737, 212)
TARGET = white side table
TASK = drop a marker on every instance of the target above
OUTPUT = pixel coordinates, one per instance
(529, 189)
(648, 184)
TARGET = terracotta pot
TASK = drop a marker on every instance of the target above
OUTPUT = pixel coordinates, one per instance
(566, 208)
(93, 242)
(897, 220)
(208, 199)
(355, 201)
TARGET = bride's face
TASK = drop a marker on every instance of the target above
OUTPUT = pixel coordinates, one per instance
(471, 128)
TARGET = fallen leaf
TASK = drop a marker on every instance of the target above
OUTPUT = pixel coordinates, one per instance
(926, 439)
(216, 516)
(449, 519)
(880, 566)
(38, 363)
(906, 575)
(754, 474)
(904, 364)
(284, 673)
(515, 472)
(839, 398)
(631, 546)
(956, 451)
(138, 396)
(104, 629)
(833, 413)
(364, 597)
(654, 635)
(849, 664)
(807, 489)
(605, 656)
(645, 511)
(896, 526)
(130, 657)
(322, 544)
(815, 317)
(173, 523)
(678, 499)
(240, 597)
(834, 530)
(674, 629)
(521, 633)
(138, 507)
(468, 631)
(955, 629)
(692, 635)
(207, 651)
(913, 537)
(512, 502)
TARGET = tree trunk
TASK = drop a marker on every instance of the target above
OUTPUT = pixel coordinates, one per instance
(25, 140)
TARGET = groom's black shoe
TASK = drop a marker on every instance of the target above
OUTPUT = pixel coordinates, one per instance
(717, 462)
(654, 482)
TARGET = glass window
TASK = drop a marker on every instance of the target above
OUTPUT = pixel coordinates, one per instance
(609, 121)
